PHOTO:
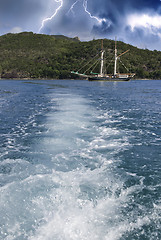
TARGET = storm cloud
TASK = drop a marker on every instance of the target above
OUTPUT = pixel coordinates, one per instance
(137, 22)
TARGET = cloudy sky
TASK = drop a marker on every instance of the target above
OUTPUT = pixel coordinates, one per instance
(137, 22)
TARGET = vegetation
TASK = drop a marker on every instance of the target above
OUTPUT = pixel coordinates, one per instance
(28, 55)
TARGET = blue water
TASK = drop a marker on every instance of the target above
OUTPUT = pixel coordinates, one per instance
(80, 160)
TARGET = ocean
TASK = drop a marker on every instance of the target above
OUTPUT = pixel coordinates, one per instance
(80, 160)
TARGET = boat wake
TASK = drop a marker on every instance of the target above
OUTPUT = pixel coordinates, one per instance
(71, 184)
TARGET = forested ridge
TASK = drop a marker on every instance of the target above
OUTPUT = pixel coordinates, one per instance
(28, 55)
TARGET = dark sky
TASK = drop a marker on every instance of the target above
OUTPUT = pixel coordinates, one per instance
(137, 22)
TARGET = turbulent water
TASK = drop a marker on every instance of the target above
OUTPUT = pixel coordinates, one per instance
(80, 160)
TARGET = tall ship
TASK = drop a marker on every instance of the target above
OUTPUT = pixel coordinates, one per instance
(102, 76)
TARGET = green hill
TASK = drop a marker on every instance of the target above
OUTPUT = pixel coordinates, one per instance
(28, 55)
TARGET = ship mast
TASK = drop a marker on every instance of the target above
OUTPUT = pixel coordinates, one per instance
(116, 57)
(102, 60)
(115, 65)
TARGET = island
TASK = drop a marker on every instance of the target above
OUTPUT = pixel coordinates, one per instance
(28, 55)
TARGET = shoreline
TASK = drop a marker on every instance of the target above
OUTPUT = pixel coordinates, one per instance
(43, 79)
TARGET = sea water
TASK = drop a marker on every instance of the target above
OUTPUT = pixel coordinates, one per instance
(80, 160)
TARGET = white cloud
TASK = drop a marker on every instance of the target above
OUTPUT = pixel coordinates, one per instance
(16, 30)
(144, 21)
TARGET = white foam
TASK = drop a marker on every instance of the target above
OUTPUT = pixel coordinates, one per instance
(75, 217)
(73, 191)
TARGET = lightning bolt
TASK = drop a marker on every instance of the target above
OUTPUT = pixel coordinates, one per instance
(50, 18)
(100, 20)
(71, 8)
(84, 2)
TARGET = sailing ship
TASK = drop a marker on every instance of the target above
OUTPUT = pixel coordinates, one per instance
(102, 76)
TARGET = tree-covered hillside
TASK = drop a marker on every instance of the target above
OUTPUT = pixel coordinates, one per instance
(28, 55)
